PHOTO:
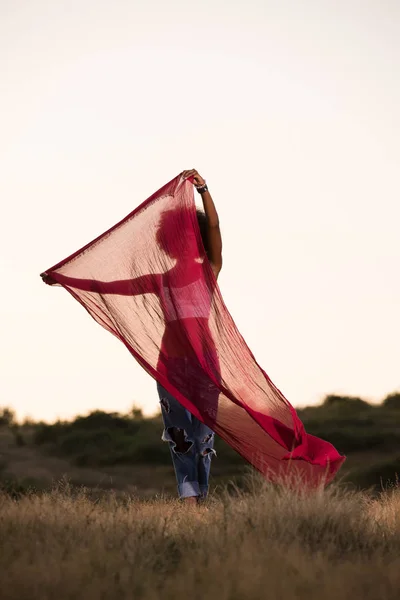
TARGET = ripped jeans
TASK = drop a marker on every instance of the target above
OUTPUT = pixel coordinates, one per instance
(191, 444)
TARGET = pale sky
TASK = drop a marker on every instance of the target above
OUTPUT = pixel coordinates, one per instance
(289, 109)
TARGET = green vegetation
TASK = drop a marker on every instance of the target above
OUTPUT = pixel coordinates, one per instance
(101, 439)
(369, 435)
(353, 425)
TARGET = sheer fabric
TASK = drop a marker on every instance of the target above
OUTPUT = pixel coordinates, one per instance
(148, 281)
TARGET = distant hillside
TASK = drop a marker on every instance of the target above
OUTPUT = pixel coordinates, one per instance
(125, 451)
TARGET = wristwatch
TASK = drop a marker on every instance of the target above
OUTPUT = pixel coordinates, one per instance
(202, 188)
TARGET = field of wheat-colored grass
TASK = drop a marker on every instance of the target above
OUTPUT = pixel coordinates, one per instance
(263, 543)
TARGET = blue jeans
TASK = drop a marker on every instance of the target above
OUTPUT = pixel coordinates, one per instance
(191, 444)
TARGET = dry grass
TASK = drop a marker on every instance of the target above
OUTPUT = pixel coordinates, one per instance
(268, 543)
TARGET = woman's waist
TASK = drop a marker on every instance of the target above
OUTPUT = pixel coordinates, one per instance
(185, 369)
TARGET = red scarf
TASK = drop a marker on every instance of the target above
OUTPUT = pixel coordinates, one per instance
(147, 281)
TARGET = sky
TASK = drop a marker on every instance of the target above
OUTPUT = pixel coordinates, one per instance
(288, 109)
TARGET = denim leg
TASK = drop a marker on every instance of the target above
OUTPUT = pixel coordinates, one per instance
(204, 442)
(179, 434)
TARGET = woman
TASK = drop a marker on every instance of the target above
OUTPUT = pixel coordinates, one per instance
(191, 441)
(185, 294)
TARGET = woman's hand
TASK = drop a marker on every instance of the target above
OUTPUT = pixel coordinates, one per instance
(197, 179)
(47, 279)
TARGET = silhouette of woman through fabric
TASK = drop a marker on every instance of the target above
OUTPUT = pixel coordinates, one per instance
(151, 281)
(185, 297)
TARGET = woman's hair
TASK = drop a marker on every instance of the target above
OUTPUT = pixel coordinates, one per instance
(178, 220)
(202, 221)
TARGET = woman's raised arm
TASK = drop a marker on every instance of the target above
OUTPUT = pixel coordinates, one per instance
(213, 231)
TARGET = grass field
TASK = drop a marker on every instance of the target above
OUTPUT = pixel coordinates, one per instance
(264, 542)
(124, 535)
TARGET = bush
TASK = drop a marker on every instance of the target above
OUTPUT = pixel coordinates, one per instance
(347, 403)
(7, 417)
(49, 434)
(392, 401)
(104, 439)
(100, 420)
